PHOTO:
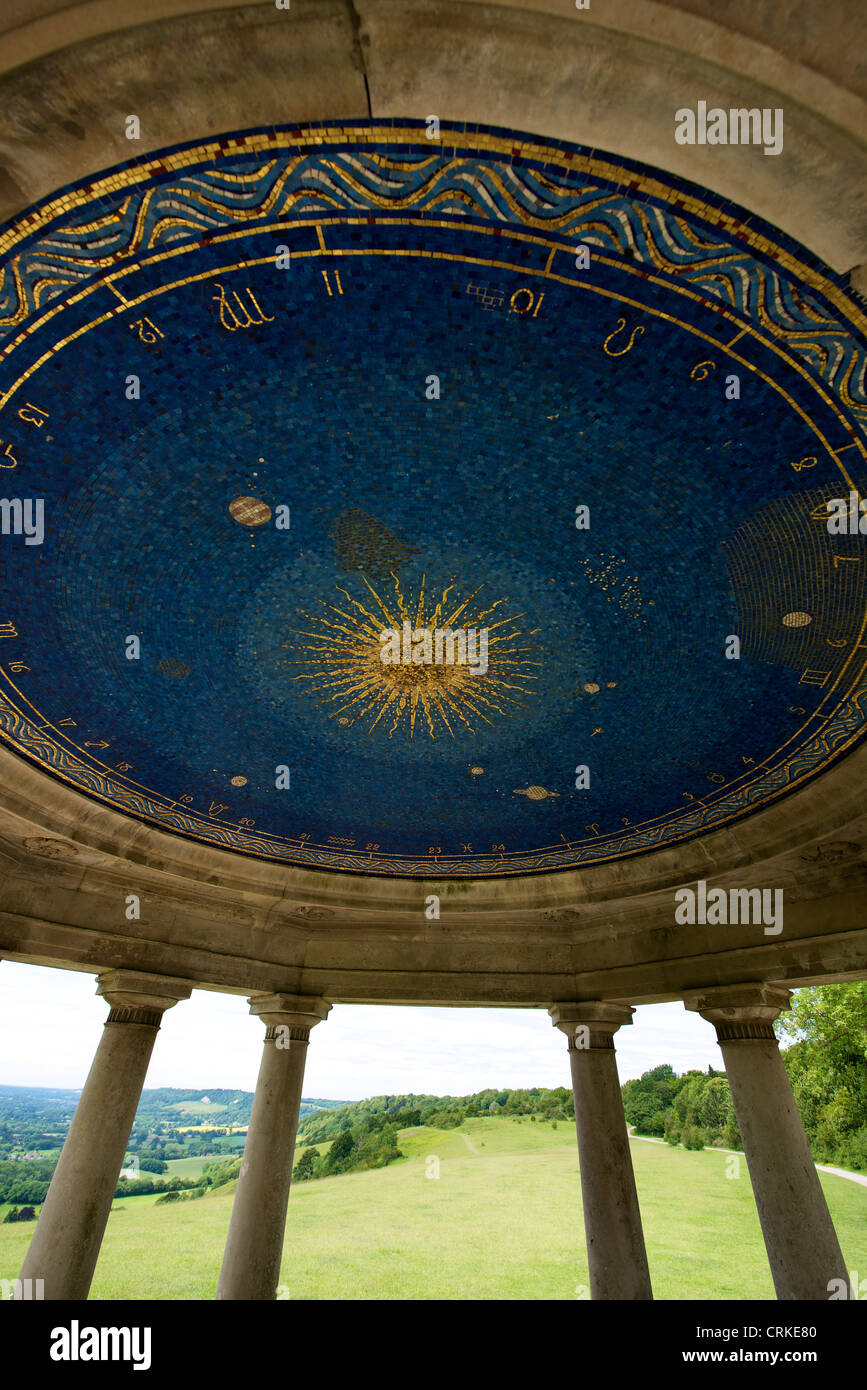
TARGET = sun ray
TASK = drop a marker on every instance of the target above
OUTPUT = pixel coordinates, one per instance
(345, 674)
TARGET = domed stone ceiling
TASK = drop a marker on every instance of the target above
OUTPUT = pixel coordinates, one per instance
(294, 400)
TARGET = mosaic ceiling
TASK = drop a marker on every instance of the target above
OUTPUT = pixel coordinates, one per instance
(276, 406)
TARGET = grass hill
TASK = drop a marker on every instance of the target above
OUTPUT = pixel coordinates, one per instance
(502, 1220)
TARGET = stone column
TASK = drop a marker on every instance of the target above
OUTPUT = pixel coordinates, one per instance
(612, 1220)
(254, 1248)
(802, 1245)
(68, 1235)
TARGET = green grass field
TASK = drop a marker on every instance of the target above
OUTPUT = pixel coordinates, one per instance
(188, 1167)
(502, 1221)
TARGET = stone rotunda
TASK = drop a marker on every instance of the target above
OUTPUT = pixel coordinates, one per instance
(340, 320)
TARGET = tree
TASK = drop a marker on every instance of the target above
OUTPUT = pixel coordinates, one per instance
(446, 1119)
(834, 1015)
(304, 1168)
(27, 1192)
(376, 1149)
(151, 1160)
(337, 1158)
(715, 1105)
(639, 1106)
(827, 1066)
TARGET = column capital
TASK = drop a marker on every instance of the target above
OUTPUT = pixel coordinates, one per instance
(295, 1011)
(600, 1016)
(740, 1013)
(138, 998)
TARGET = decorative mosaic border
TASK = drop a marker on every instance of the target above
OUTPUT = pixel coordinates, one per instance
(125, 215)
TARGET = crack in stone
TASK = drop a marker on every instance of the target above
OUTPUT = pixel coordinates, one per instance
(355, 21)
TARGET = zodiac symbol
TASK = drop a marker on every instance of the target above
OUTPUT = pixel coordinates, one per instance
(231, 318)
(621, 324)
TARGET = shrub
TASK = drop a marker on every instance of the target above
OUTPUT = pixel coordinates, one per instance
(693, 1137)
(446, 1119)
(217, 1174)
(20, 1214)
(852, 1150)
(655, 1125)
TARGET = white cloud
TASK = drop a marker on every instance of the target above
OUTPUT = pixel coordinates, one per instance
(51, 1020)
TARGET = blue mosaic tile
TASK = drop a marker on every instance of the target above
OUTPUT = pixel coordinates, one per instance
(301, 393)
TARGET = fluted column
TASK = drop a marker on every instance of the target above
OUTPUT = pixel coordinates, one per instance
(612, 1220)
(68, 1235)
(251, 1261)
(801, 1242)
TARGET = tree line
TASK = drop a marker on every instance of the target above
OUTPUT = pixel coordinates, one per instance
(826, 1062)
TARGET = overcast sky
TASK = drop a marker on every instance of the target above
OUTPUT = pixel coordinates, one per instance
(50, 1023)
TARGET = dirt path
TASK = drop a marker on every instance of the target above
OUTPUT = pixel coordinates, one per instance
(837, 1172)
